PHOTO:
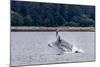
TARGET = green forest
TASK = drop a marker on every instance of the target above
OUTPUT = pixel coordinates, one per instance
(40, 14)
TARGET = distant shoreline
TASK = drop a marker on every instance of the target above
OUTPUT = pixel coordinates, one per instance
(52, 29)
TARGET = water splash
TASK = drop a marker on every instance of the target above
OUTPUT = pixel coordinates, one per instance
(63, 46)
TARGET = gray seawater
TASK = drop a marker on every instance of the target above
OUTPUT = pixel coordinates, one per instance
(31, 48)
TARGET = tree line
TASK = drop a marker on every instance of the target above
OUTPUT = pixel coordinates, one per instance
(51, 14)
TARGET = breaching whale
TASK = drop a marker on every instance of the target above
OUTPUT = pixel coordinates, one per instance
(62, 45)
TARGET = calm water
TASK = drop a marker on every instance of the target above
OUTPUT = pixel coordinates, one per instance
(29, 48)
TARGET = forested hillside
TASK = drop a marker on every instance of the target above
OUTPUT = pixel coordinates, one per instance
(51, 15)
